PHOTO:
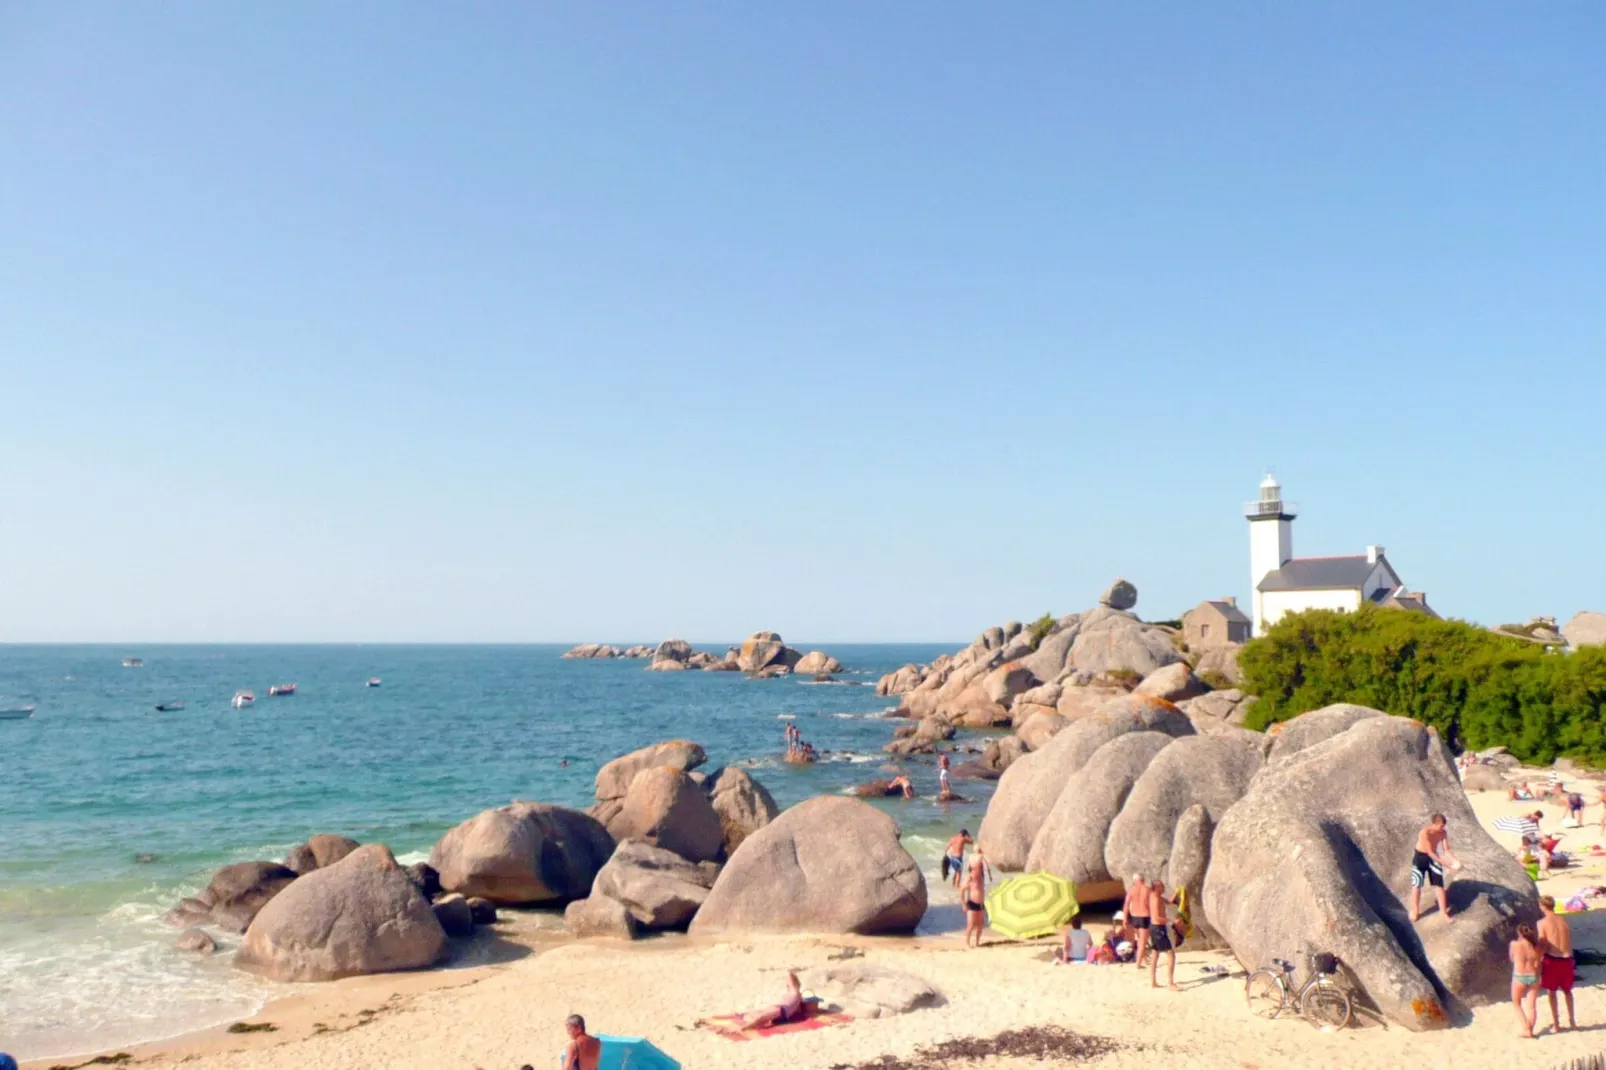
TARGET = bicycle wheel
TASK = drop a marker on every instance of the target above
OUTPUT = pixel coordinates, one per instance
(1326, 1006)
(1265, 993)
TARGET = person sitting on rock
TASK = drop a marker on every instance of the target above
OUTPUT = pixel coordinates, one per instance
(790, 1009)
(583, 1051)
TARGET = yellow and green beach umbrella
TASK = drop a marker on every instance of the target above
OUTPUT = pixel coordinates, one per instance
(1033, 904)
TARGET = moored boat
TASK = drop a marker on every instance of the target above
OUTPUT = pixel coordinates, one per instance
(374, 681)
(133, 663)
(16, 711)
(171, 706)
(242, 699)
(280, 690)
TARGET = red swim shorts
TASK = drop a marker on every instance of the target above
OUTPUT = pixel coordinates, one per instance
(1556, 975)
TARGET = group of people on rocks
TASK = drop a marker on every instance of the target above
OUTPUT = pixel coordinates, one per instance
(799, 750)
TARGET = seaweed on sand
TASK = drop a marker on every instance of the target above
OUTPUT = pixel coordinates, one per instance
(1045, 1042)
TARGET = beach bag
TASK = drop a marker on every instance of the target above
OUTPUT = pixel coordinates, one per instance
(1184, 922)
(1576, 904)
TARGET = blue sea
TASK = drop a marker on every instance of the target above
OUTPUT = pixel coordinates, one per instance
(110, 811)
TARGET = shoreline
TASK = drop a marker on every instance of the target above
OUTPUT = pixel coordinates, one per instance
(501, 1003)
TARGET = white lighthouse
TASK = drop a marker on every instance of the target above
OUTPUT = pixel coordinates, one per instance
(1271, 540)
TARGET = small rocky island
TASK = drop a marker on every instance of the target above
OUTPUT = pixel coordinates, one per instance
(762, 654)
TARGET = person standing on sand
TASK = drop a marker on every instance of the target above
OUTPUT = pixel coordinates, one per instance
(974, 896)
(1557, 969)
(583, 1051)
(1136, 911)
(1525, 967)
(1427, 865)
(954, 856)
(1160, 938)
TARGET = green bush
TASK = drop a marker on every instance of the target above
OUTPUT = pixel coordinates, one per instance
(1469, 683)
(1039, 628)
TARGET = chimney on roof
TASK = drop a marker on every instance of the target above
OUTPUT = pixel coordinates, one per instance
(1231, 600)
(1373, 553)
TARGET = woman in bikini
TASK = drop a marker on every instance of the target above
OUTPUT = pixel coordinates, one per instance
(790, 1009)
(1525, 963)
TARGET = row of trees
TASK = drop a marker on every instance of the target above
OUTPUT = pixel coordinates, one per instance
(1474, 686)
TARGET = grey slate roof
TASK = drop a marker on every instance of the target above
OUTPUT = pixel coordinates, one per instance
(1231, 612)
(1319, 574)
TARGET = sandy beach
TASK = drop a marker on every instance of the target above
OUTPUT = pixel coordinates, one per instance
(509, 1011)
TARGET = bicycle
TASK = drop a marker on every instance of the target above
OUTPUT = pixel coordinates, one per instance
(1321, 1001)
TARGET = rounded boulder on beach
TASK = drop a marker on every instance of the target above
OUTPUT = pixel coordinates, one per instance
(828, 865)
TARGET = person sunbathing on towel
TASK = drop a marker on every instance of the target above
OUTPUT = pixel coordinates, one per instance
(789, 1009)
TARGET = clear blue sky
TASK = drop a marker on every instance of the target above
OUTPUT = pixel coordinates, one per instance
(515, 321)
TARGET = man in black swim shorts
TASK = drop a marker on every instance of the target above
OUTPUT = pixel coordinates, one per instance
(1427, 866)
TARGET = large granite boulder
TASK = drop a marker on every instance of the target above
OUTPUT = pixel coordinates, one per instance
(1174, 683)
(1118, 643)
(1048, 662)
(1219, 710)
(1212, 771)
(454, 914)
(1483, 778)
(613, 779)
(1318, 854)
(1077, 701)
(763, 649)
(1220, 661)
(900, 681)
(971, 708)
(660, 889)
(1291, 737)
(1041, 695)
(1071, 840)
(1039, 728)
(671, 656)
(668, 809)
(319, 851)
(827, 865)
(816, 662)
(742, 804)
(865, 990)
(1008, 680)
(1032, 784)
(1190, 861)
(1119, 595)
(361, 915)
(237, 892)
(523, 853)
(598, 915)
(1587, 628)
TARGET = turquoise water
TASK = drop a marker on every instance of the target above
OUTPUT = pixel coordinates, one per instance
(110, 811)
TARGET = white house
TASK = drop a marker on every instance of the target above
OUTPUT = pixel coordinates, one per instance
(1284, 583)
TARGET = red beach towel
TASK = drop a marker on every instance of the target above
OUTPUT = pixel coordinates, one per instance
(727, 1026)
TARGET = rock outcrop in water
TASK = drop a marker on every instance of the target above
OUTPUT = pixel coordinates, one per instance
(762, 654)
(602, 651)
(319, 851)
(233, 896)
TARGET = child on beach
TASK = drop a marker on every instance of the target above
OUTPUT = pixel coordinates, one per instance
(1525, 965)
(1078, 941)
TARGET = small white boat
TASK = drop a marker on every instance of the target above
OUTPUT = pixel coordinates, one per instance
(133, 663)
(242, 699)
(280, 690)
(17, 712)
(374, 681)
(171, 706)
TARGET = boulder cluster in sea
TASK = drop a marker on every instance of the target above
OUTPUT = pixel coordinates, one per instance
(762, 654)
